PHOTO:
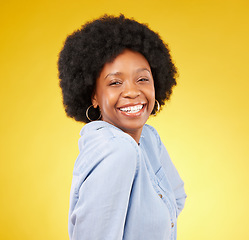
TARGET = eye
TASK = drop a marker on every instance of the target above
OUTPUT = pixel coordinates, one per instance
(115, 83)
(143, 80)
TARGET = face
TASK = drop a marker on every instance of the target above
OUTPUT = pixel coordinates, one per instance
(125, 92)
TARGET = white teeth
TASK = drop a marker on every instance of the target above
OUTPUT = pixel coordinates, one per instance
(132, 109)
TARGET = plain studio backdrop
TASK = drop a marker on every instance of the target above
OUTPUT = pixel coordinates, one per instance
(204, 126)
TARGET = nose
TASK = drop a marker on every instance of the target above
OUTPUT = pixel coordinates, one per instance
(131, 90)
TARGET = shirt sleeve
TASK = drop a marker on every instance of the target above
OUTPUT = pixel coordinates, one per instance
(175, 180)
(100, 191)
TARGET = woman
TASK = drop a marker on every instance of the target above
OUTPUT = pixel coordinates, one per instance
(114, 73)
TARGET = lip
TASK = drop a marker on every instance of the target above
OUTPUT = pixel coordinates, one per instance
(131, 104)
(132, 114)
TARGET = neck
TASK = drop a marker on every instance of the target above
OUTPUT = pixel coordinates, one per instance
(135, 135)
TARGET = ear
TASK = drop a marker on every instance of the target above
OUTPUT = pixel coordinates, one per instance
(94, 100)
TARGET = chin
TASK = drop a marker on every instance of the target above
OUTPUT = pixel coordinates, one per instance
(131, 126)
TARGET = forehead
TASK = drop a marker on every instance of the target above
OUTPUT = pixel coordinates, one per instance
(127, 61)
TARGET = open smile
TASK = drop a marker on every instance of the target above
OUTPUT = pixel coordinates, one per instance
(135, 110)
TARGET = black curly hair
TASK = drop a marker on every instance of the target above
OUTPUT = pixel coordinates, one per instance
(100, 41)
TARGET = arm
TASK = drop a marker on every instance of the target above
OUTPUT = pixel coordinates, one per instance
(174, 178)
(102, 191)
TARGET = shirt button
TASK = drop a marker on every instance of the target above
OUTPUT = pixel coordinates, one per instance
(160, 195)
(172, 224)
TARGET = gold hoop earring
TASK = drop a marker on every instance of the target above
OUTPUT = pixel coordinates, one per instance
(87, 110)
(158, 106)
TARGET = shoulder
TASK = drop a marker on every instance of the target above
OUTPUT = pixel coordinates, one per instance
(103, 142)
(100, 134)
(151, 137)
(151, 130)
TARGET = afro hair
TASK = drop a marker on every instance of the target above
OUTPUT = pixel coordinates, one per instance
(86, 51)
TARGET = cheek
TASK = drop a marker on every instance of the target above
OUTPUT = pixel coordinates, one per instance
(150, 92)
(109, 99)
(151, 97)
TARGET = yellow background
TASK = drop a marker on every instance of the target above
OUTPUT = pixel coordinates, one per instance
(204, 126)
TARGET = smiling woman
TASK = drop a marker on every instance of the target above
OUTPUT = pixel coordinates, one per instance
(125, 93)
(117, 72)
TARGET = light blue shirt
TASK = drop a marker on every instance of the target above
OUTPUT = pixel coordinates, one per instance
(122, 190)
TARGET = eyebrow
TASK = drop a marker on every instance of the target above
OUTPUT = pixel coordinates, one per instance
(119, 73)
(113, 74)
(143, 69)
